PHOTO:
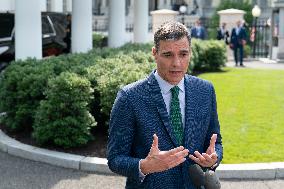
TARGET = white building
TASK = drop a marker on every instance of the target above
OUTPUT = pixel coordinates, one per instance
(113, 16)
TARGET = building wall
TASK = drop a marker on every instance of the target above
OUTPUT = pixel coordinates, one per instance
(200, 8)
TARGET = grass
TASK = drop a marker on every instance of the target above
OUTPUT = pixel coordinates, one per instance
(251, 113)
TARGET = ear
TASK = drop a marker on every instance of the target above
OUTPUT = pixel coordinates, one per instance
(154, 51)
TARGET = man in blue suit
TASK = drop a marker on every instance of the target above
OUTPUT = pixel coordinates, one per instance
(238, 41)
(156, 122)
(198, 31)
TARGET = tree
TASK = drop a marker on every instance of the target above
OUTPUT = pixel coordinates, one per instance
(244, 5)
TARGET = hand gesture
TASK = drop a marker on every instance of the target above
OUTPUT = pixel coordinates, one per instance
(209, 158)
(158, 161)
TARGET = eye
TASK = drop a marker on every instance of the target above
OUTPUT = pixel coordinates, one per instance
(167, 55)
(184, 54)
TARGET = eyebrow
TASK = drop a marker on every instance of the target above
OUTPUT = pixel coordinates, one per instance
(182, 50)
(185, 51)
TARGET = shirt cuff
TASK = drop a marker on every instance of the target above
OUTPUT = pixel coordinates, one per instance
(141, 175)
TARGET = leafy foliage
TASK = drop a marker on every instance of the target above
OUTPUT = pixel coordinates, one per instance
(59, 99)
(244, 5)
(208, 55)
(99, 40)
(63, 117)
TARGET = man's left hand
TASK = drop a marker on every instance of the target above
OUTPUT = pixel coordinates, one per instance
(209, 158)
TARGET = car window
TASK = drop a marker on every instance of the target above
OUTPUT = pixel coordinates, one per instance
(6, 25)
(59, 23)
(46, 27)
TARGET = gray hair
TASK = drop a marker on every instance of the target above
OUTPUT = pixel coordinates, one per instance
(171, 31)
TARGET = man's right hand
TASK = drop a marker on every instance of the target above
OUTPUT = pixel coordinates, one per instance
(158, 161)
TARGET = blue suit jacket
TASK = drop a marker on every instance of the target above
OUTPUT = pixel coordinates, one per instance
(139, 111)
(236, 40)
(194, 33)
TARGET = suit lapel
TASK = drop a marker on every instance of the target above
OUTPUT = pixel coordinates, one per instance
(158, 102)
(189, 128)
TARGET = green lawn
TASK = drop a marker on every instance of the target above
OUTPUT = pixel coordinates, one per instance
(251, 113)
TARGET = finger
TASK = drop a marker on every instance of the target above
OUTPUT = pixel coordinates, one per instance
(207, 157)
(174, 151)
(180, 155)
(176, 163)
(155, 146)
(170, 159)
(195, 159)
(212, 142)
(199, 156)
(183, 153)
(155, 141)
(214, 156)
(210, 160)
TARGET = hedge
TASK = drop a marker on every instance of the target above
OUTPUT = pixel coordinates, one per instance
(30, 90)
(208, 55)
(63, 118)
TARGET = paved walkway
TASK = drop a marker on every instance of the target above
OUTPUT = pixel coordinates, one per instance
(262, 63)
(18, 173)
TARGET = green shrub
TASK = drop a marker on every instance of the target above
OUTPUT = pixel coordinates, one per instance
(39, 95)
(21, 89)
(99, 40)
(110, 74)
(208, 55)
(63, 118)
(23, 82)
(247, 51)
(128, 47)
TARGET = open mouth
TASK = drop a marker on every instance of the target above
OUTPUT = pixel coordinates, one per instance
(175, 72)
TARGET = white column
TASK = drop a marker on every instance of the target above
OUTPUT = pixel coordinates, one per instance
(281, 35)
(69, 5)
(161, 4)
(168, 5)
(104, 8)
(131, 8)
(200, 9)
(81, 26)
(7, 5)
(116, 23)
(56, 5)
(190, 5)
(28, 40)
(140, 21)
(43, 5)
(280, 4)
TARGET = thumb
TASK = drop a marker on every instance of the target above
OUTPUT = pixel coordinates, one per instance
(211, 147)
(155, 145)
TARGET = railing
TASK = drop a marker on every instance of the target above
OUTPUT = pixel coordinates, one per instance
(261, 40)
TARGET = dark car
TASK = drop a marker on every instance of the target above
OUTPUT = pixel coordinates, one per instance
(53, 35)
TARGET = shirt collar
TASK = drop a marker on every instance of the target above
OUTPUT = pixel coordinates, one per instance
(166, 86)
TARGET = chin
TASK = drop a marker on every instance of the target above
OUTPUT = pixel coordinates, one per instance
(174, 81)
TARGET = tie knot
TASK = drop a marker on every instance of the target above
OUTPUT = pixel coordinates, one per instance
(175, 90)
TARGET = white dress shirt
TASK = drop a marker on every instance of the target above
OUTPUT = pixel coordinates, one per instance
(167, 95)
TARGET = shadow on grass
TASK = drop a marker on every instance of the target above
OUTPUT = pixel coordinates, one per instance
(198, 72)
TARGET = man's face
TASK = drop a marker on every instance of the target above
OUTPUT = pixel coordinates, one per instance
(172, 59)
(238, 23)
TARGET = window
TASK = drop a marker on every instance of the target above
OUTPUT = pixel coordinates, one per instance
(46, 27)
(7, 25)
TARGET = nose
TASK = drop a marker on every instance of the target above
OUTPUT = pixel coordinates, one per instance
(176, 61)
